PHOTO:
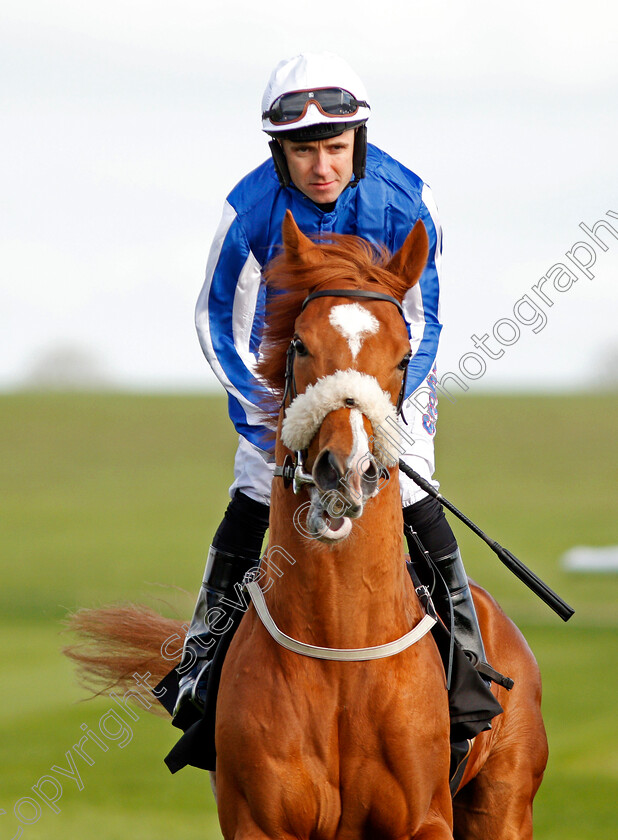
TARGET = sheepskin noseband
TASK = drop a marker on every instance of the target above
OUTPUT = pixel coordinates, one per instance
(307, 411)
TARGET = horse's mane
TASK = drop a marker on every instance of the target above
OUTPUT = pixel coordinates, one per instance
(342, 261)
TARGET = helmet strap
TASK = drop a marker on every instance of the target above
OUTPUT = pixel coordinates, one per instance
(281, 164)
(359, 161)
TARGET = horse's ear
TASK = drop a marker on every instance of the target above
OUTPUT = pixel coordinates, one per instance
(298, 247)
(410, 260)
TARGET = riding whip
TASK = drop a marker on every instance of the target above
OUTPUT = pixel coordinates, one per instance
(521, 571)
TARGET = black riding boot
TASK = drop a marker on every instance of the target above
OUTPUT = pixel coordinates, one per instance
(433, 554)
(236, 548)
(223, 572)
(466, 624)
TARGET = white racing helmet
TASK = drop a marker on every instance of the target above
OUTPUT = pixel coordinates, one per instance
(311, 97)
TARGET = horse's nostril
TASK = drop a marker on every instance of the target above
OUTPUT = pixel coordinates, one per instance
(326, 471)
(370, 475)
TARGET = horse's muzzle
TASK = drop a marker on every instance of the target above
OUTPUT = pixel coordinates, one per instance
(351, 487)
(339, 494)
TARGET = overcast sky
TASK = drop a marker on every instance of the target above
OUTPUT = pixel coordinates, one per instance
(125, 125)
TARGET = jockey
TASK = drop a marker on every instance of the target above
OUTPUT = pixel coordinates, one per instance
(315, 111)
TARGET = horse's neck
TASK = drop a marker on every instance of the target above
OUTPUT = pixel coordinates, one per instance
(352, 594)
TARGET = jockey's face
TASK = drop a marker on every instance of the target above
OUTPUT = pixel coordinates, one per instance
(321, 169)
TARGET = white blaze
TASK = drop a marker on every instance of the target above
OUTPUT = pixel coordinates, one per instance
(354, 323)
(358, 455)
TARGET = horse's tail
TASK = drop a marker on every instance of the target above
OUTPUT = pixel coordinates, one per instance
(119, 642)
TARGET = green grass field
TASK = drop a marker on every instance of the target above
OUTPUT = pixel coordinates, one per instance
(109, 498)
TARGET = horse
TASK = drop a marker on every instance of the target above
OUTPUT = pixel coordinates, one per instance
(332, 713)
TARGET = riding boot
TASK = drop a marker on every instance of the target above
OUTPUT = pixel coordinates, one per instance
(466, 625)
(433, 555)
(223, 572)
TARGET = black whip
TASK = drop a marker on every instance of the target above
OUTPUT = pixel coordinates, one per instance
(521, 571)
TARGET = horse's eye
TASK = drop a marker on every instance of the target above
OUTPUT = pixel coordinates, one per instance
(300, 348)
(403, 364)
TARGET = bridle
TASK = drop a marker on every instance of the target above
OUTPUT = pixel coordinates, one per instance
(294, 472)
(290, 385)
(293, 469)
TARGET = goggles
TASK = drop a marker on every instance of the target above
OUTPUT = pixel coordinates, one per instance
(332, 102)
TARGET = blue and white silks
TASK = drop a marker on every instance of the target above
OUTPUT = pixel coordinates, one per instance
(382, 208)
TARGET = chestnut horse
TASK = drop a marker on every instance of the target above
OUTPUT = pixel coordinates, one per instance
(314, 748)
(309, 746)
